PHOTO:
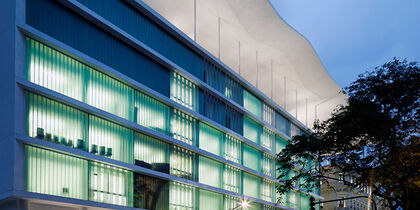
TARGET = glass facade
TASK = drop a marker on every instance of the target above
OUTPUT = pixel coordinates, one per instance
(54, 173)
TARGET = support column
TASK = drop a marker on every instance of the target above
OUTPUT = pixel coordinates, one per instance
(256, 66)
(195, 20)
(218, 37)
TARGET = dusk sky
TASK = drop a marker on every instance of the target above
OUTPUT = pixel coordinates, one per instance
(353, 36)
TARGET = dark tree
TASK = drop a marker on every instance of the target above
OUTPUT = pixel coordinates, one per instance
(375, 136)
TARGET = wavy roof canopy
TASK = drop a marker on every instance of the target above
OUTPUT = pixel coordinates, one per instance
(257, 44)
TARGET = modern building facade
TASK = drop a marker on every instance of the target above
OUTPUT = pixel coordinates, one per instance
(106, 104)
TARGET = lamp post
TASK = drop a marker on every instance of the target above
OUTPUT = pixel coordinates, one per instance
(243, 205)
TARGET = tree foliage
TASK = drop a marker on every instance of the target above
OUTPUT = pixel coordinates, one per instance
(374, 136)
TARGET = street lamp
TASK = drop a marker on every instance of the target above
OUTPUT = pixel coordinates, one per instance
(243, 205)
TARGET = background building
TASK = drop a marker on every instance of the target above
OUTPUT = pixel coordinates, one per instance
(337, 189)
(108, 104)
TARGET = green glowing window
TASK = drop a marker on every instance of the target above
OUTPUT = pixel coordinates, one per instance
(182, 163)
(268, 165)
(280, 144)
(268, 139)
(149, 152)
(293, 199)
(110, 184)
(183, 127)
(52, 121)
(182, 196)
(252, 158)
(232, 149)
(210, 139)
(54, 70)
(210, 172)
(267, 191)
(252, 103)
(56, 174)
(252, 130)
(109, 94)
(304, 201)
(232, 179)
(210, 200)
(110, 139)
(151, 113)
(251, 186)
(184, 91)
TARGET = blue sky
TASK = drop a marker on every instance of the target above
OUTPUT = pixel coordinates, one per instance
(354, 36)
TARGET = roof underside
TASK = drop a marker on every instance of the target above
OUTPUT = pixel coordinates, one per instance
(257, 44)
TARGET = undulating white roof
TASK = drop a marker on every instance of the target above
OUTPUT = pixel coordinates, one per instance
(256, 43)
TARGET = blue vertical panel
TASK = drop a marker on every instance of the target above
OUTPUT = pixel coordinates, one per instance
(212, 107)
(234, 120)
(282, 124)
(135, 23)
(59, 22)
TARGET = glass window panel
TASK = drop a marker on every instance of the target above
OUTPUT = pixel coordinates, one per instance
(181, 196)
(183, 127)
(283, 124)
(268, 139)
(54, 70)
(294, 130)
(231, 202)
(110, 140)
(109, 94)
(211, 139)
(252, 130)
(110, 184)
(57, 174)
(52, 121)
(182, 163)
(232, 178)
(184, 91)
(304, 201)
(252, 103)
(210, 200)
(151, 113)
(251, 185)
(150, 192)
(149, 152)
(252, 157)
(232, 149)
(210, 172)
(280, 144)
(268, 165)
(269, 115)
(268, 191)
